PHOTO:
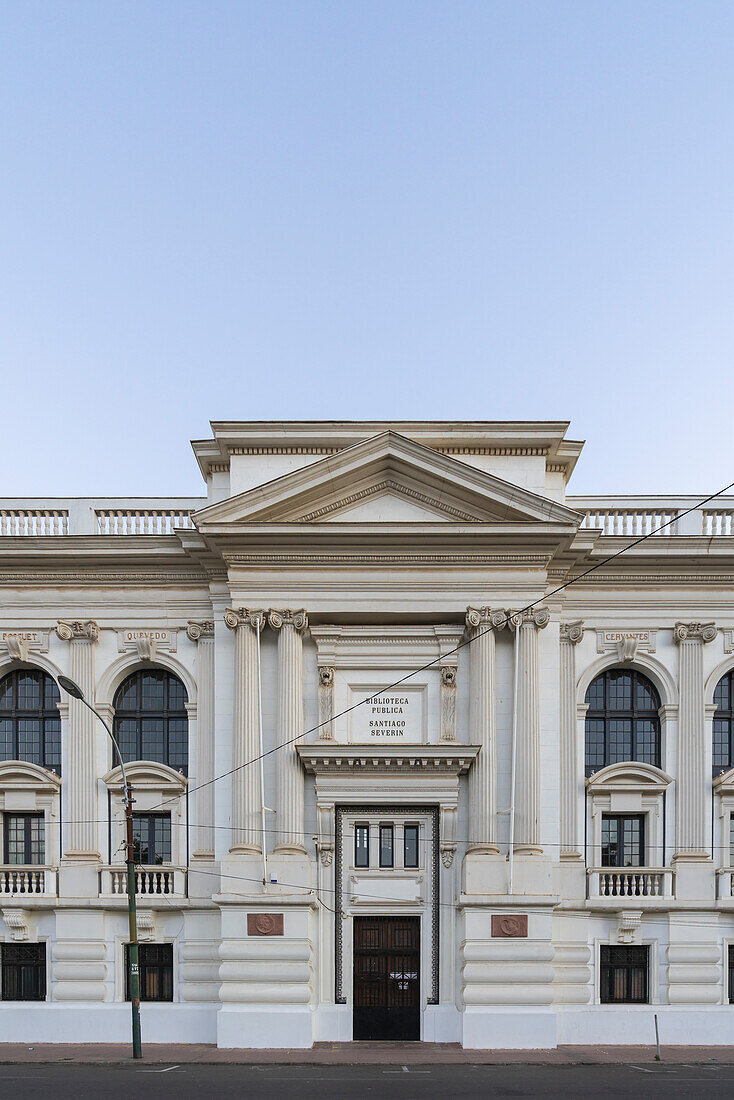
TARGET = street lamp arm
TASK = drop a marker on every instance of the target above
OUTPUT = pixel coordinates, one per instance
(113, 739)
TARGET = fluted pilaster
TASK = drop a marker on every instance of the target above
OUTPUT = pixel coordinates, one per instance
(81, 782)
(571, 635)
(203, 634)
(246, 810)
(691, 828)
(290, 725)
(527, 767)
(481, 623)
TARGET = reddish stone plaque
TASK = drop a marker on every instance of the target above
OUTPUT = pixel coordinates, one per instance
(264, 924)
(510, 924)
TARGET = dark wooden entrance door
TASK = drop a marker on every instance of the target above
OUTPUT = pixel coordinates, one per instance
(387, 977)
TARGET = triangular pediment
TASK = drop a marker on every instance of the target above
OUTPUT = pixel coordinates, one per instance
(387, 479)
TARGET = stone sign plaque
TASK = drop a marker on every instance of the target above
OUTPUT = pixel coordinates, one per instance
(394, 716)
(264, 924)
(510, 925)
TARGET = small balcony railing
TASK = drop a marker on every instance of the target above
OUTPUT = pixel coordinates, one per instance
(150, 882)
(27, 881)
(630, 882)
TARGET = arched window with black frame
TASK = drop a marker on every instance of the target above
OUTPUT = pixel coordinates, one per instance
(30, 723)
(622, 719)
(722, 754)
(151, 720)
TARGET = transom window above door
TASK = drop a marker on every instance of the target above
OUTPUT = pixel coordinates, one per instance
(393, 845)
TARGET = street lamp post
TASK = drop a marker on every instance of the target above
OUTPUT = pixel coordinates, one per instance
(133, 962)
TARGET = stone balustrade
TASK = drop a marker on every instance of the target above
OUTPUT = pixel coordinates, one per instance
(725, 884)
(636, 516)
(28, 881)
(150, 882)
(630, 882)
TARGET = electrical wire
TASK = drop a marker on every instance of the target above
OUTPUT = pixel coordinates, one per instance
(461, 645)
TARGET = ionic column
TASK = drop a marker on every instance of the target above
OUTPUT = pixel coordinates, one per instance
(290, 726)
(80, 784)
(571, 635)
(481, 623)
(527, 765)
(202, 633)
(246, 810)
(691, 830)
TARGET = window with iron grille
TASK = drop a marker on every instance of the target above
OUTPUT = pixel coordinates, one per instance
(151, 720)
(30, 723)
(723, 726)
(152, 838)
(624, 975)
(622, 720)
(155, 961)
(623, 840)
(24, 836)
(23, 971)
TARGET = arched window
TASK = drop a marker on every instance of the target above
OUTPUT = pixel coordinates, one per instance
(151, 721)
(723, 757)
(622, 721)
(30, 723)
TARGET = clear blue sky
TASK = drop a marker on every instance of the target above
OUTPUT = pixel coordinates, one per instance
(410, 209)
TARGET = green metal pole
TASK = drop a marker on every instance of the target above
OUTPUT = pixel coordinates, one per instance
(132, 951)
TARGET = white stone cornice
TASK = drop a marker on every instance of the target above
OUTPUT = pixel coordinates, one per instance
(446, 759)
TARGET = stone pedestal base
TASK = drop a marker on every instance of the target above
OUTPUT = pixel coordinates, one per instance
(484, 873)
(508, 1028)
(695, 879)
(261, 1026)
(79, 876)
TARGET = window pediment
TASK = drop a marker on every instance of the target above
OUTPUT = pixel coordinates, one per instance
(629, 775)
(724, 783)
(147, 775)
(21, 775)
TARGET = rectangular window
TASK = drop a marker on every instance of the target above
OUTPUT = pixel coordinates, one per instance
(23, 971)
(152, 839)
(623, 840)
(386, 846)
(24, 839)
(410, 846)
(624, 975)
(731, 840)
(156, 971)
(361, 845)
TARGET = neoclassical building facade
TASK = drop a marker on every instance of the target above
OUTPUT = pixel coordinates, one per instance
(415, 751)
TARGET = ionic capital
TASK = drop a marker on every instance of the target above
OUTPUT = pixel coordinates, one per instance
(196, 630)
(572, 632)
(296, 619)
(77, 630)
(484, 618)
(538, 617)
(235, 617)
(684, 632)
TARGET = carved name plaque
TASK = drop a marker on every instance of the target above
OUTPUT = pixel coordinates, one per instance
(395, 716)
(19, 642)
(510, 925)
(625, 642)
(264, 924)
(146, 642)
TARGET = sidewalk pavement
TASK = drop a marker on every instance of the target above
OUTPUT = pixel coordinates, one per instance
(358, 1054)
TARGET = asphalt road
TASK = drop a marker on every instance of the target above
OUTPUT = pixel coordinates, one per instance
(355, 1082)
